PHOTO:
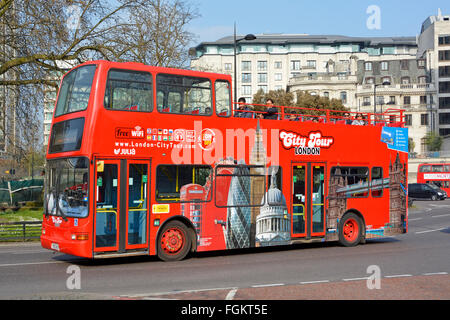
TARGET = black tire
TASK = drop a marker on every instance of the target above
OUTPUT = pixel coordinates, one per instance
(174, 241)
(433, 197)
(351, 230)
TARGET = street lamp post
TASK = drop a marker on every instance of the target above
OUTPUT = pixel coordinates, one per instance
(386, 83)
(248, 37)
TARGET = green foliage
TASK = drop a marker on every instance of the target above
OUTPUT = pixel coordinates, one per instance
(314, 104)
(433, 141)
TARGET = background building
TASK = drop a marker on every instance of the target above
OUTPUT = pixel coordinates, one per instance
(367, 73)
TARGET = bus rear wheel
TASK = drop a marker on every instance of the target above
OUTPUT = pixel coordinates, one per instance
(350, 230)
(174, 242)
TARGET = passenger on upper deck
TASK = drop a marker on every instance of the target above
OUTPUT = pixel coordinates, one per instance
(348, 119)
(243, 111)
(359, 120)
(271, 112)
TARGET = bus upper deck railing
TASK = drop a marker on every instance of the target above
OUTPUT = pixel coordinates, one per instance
(390, 117)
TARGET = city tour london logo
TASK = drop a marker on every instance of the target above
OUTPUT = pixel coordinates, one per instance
(310, 144)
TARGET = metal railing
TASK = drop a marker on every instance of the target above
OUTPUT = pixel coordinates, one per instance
(20, 231)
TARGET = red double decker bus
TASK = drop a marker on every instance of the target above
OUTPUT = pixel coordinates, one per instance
(435, 173)
(155, 161)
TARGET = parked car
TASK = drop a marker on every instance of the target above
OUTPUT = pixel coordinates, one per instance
(435, 187)
(418, 191)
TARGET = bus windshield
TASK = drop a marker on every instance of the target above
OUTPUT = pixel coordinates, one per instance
(75, 90)
(66, 189)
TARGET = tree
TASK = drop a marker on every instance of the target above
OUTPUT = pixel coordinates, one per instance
(433, 141)
(38, 35)
(316, 104)
(312, 104)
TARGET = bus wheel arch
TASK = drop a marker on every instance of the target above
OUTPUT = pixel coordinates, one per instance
(352, 228)
(176, 237)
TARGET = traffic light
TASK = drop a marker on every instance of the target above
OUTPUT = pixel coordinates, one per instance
(12, 171)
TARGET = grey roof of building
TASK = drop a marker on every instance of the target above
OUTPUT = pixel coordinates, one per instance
(317, 39)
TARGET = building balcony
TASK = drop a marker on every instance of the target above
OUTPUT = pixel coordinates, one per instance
(412, 88)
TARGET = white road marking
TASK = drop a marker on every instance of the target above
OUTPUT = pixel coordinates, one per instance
(355, 279)
(399, 276)
(268, 285)
(434, 273)
(30, 263)
(427, 231)
(442, 215)
(313, 282)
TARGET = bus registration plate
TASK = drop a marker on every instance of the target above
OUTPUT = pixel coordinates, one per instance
(55, 246)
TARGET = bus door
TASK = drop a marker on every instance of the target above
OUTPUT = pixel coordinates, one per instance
(121, 205)
(308, 200)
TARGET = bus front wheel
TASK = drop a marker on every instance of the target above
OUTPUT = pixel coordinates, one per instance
(350, 230)
(174, 242)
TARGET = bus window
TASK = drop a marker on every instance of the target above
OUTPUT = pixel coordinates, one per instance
(437, 168)
(446, 168)
(75, 90)
(183, 95)
(425, 169)
(129, 91)
(170, 179)
(223, 98)
(357, 181)
(377, 182)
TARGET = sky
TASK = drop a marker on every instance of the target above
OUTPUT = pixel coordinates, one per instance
(374, 18)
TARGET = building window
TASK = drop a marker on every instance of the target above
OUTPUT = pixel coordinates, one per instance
(311, 64)
(391, 100)
(444, 87)
(444, 71)
(246, 77)
(370, 80)
(444, 55)
(262, 65)
(343, 96)
(227, 66)
(278, 76)
(444, 118)
(246, 90)
(326, 94)
(422, 79)
(246, 65)
(384, 65)
(368, 66)
(408, 119)
(421, 63)
(407, 100)
(278, 65)
(295, 65)
(424, 119)
(444, 103)
(423, 99)
(386, 80)
(263, 88)
(405, 80)
(366, 101)
(262, 77)
(444, 40)
(404, 65)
